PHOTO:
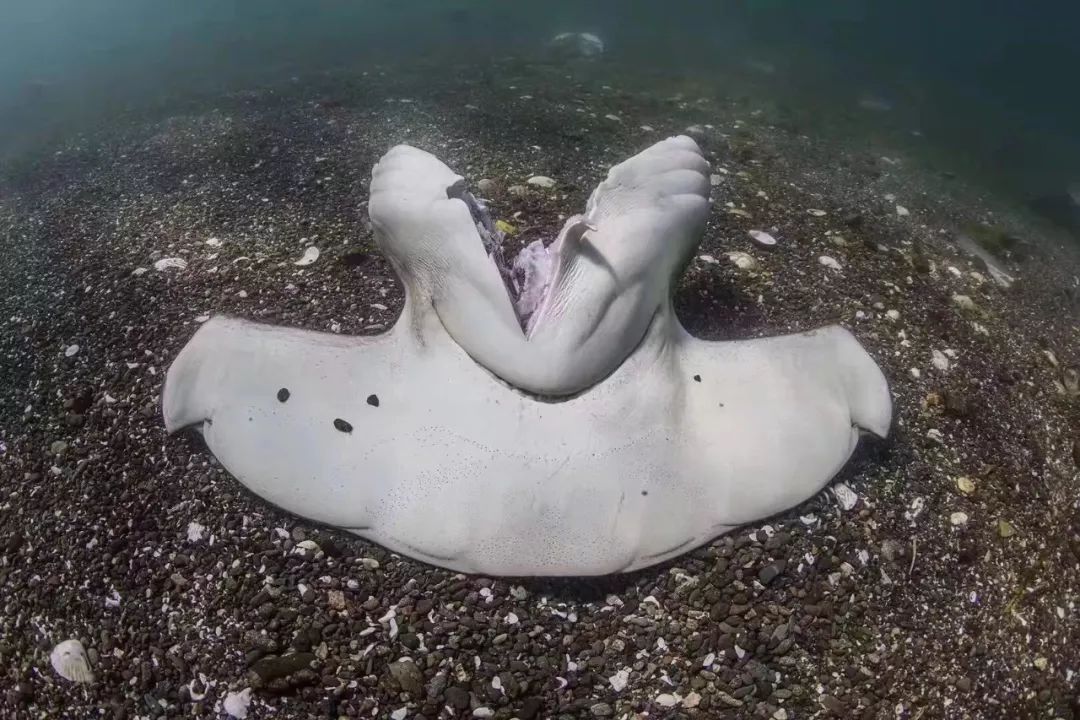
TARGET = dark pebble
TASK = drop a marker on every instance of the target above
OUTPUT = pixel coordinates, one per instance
(283, 394)
(342, 425)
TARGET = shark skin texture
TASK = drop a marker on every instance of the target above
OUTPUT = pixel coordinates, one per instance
(590, 435)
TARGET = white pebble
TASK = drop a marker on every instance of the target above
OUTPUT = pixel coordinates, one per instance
(958, 518)
(310, 256)
(902, 211)
(619, 679)
(213, 242)
(939, 360)
(830, 262)
(847, 497)
(817, 213)
(195, 531)
(71, 350)
(893, 315)
(173, 263)
(236, 703)
(667, 700)
(483, 712)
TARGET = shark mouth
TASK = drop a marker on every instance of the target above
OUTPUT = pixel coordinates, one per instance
(529, 276)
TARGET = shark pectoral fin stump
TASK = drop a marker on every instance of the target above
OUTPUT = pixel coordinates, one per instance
(548, 416)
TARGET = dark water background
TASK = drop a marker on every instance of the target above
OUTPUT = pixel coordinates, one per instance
(991, 83)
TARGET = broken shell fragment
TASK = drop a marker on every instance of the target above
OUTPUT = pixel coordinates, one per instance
(742, 260)
(172, 263)
(310, 256)
(70, 662)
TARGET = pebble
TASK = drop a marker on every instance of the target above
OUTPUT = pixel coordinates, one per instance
(965, 485)
(830, 262)
(310, 255)
(902, 211)
(1006, 529)
(483, 712)
(517, 190)
(964, 302)
(407, 675)
(541, 181)
(601, 709)
(893, 315)
(619, 680)
(236, 703)
(958, 519)
(817, 213)
(71, 350)
(487, 185)
(938, 359)
(667, 700)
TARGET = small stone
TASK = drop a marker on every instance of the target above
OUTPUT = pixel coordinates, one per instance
(311, 254)
(342, 425)
(893, 315)
(691, 701)
(236, 704)
(335, 600)
(487, 185)
(1006, 529)
(834, 706)
(958, 519)
(817, 213)
(964, 684)
(408, 676)
(830, 262)
(58, 447)
(517, 190)
(965, 485)
(770, 572)
(457, 698)
(667, 700)
(964, 302)
(902, 211)
(1041, 664)
(71, 351)
(601, 709)
(939, 360)
(483, 712)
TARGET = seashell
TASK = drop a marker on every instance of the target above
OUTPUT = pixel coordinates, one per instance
(541, 181)
(817, 213)
(742, 260)
(310, 256)
(71, 350)
(172, 263)
(213, 242)
(762, 238)
(306, 547)
(70, 662)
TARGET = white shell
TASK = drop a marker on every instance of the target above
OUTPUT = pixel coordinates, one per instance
(939, 360)
(71, 350)
(743, 261)
(171, 263)
(762, 238)
(236, 703)
(310, 256)
(70, 662)
(541, 181)
(817, 213)
(213, 242)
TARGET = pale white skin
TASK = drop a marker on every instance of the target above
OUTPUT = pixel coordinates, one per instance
(457, 467)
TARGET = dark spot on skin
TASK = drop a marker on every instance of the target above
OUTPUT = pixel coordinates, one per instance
(373, 400)
(342, 425)
(644, 492)
(697, 378)
(283, 394)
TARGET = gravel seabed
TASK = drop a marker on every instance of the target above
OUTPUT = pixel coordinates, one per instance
(184, 587)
